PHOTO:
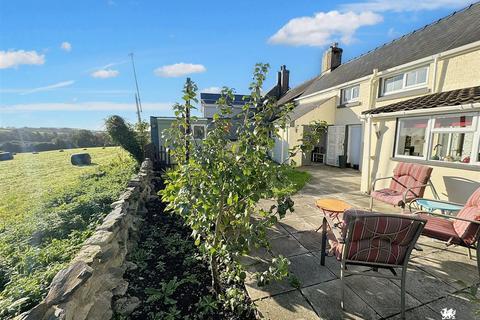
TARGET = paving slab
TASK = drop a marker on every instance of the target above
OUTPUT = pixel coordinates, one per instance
(307, 269)
(333, 264)
(258, 292)
(452, 268)
(287, 246)
(287, 306)
(296, 224)
(423, 312)
(325, 299)
(310, 239)
(276, 231)
(464, 308)
(423, 286)
(303, 209)
(380, 294)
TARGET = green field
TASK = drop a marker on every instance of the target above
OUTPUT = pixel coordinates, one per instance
(48, 207)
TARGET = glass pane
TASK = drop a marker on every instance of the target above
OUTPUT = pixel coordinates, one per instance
(355, 91)
(199, 132)
(411, 78)
(452, 147)
(422, 75)
(394, 83)
(411, 137)
(454, 121)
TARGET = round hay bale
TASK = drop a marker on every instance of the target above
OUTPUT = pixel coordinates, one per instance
(81, 159)
(35, 152)
(6, 156)
(61, 150)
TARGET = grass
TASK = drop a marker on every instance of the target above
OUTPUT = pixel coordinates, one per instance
(297, 178)
(47, 209)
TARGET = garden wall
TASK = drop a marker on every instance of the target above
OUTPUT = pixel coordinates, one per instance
(84, 290)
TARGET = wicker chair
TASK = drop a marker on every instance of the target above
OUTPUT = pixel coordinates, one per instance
(408, 182)
(376, 240)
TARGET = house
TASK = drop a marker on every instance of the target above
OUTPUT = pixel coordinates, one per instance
(415, 99)
(209, 107)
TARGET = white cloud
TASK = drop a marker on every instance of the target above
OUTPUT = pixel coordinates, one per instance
(212, 90)
(59, 85)
(324, 28)
(86, 106)
(11, 58)
(66, 46)
(179, 70)
(105, 73)
(405, 5)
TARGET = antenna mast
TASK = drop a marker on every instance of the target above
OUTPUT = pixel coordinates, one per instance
(137, 95)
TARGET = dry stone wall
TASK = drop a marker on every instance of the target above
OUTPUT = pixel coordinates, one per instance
(85, 289)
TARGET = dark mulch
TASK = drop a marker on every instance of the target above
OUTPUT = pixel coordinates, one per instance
(172, 280)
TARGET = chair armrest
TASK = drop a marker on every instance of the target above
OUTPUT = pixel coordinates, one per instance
(335, 230)
(446, 216)
(409, 189)
(372, 188)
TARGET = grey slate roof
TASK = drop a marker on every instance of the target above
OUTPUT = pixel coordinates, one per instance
(303, 109)
(211, 98)
(295, 92)
(458, 29)
(442, 99)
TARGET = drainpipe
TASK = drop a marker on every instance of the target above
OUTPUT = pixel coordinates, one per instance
(435, 67)
(369, 125)
(282, 141)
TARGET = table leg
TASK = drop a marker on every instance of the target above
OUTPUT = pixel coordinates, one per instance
(324, 242)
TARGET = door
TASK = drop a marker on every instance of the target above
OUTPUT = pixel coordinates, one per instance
(335, 144)
(354, 146)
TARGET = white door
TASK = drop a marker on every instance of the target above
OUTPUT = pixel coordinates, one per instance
(335, 144)
(354, 145)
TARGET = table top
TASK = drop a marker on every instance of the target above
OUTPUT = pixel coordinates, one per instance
(438, 205)
(333, 205)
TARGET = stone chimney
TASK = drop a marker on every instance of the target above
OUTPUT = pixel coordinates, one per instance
(283, 80)
(332, 58)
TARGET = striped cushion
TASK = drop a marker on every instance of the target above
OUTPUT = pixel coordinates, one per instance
(390, 196)
(440, 228)
(378, 238)
(466, 230)
(410, 175)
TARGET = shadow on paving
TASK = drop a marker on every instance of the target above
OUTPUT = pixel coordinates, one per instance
(435, 276)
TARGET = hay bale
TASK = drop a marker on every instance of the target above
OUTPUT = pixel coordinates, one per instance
(6, 156)
(81, 159)
(61, 150)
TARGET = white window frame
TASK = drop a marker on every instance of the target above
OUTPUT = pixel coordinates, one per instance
(342, 94)
(431, 130)
(204, 130)
(471, 129)
(404, 81)
(425, 146)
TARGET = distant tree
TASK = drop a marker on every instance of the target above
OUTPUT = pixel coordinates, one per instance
(124, 134)
(83, 138)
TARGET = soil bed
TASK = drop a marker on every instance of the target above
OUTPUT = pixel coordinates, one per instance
(171, 278)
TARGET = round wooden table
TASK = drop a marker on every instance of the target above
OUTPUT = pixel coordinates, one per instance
(332, 207)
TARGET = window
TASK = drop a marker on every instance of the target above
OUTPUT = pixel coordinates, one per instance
(411, 137)
(404, 81)
(350, 94)
(452, 138)
(199, 131)
(447, 138)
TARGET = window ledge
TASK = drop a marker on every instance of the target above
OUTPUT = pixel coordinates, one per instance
(349, 105)
(404, 94)
(433, 163)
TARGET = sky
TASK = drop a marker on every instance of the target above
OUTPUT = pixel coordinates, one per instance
(66, 63)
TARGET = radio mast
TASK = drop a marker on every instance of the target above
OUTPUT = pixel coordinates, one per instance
(138, 101)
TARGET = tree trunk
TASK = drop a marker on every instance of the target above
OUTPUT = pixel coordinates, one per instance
(215, 275)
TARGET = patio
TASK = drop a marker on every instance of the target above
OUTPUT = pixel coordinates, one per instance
(435, 279)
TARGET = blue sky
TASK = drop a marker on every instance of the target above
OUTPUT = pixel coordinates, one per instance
(65, 63)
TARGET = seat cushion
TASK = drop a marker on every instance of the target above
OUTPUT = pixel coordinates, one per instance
(408, 175)
(467, 230)
(440, 228)
(389, 196)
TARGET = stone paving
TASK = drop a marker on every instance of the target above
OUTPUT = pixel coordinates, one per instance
(435, 279)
